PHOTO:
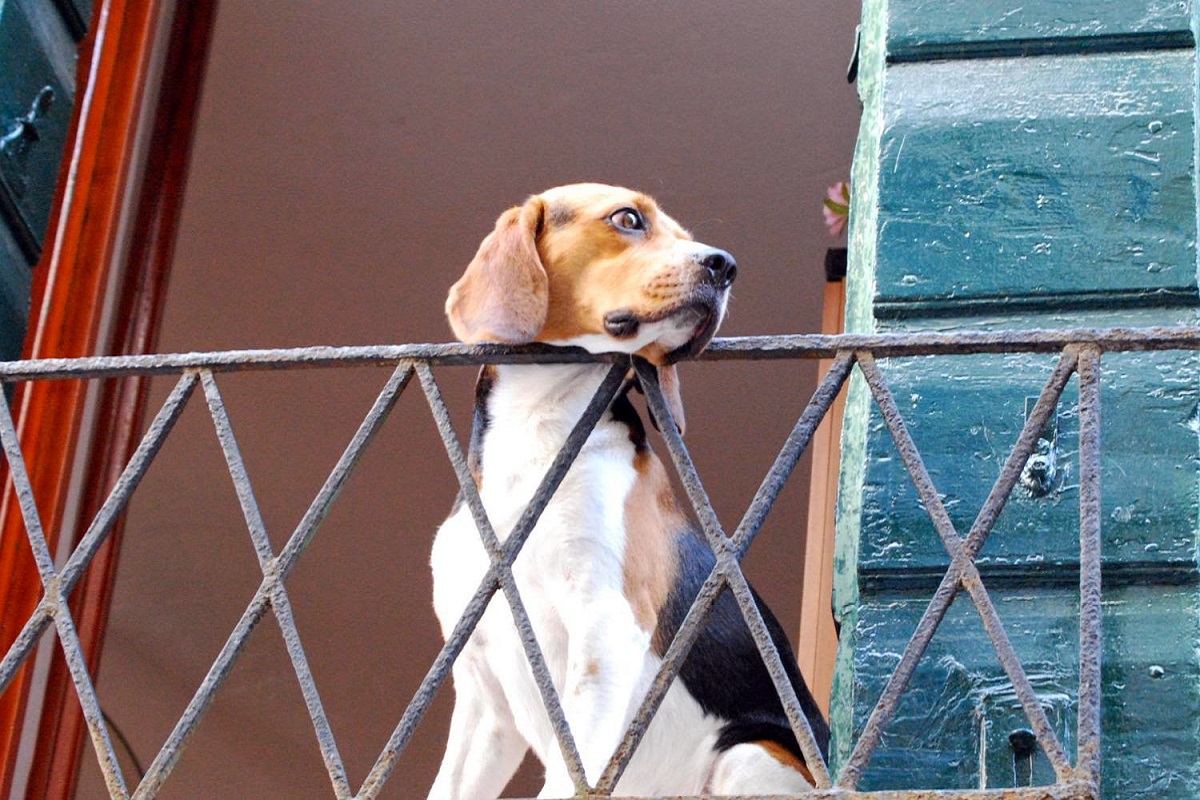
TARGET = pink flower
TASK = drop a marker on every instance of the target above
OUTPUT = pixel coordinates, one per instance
(836, 207)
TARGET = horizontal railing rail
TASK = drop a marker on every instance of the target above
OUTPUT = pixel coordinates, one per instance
(1080, 352)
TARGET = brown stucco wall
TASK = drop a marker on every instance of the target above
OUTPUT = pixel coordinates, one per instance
(349, 158)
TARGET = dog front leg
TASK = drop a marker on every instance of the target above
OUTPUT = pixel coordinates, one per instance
(483, 749)
(606, 656)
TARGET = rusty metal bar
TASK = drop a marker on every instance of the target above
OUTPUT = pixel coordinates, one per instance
(967, 575)
(276, 571)
(1090, 643)
(280, 603)
(737, 348)
(68, 637)
(1080, 782)
(97, 532)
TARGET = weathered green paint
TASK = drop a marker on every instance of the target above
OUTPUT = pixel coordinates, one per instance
(965, 414)
(1029, 191)
(952, 728)
(35, 113)
(942, 28)
(1041, 179)
(860, 275)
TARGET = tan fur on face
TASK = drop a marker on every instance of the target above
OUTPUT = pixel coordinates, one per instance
(593, 268)
(554, 267)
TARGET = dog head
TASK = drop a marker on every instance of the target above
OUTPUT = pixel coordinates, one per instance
(596, 266)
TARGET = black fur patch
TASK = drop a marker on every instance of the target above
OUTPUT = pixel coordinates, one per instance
(623, 411)
(724, 670)
(480, 423)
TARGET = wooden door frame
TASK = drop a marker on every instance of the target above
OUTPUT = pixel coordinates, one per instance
(817, 641)
(99, 288)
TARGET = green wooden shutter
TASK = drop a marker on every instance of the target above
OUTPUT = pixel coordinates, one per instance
(37, 69)
(1025, 165)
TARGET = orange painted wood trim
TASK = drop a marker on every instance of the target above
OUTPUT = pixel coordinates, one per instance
(817, 640)
(68, 301)
(68, 286)
(122, 404)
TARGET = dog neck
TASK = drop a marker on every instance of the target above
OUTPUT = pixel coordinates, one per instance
(524, 413)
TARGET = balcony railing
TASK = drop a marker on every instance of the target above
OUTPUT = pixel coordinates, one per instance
(1079, 352)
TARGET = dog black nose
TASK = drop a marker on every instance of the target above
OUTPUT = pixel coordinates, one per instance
(722, 269)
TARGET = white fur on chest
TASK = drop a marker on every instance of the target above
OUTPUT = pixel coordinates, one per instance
(571, 577)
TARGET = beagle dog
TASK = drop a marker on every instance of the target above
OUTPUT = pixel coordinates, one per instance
(613, 565)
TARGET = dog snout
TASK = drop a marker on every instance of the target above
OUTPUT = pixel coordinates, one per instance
(720, 267)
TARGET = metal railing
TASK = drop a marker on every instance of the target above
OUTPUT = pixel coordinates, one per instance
(1079, 353)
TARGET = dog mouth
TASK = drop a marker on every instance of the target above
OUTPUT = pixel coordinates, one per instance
(695, 319)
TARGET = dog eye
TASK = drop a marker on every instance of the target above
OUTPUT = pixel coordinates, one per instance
(628, 220)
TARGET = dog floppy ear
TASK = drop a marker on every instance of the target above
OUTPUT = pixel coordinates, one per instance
(504, 294)
(668, 382)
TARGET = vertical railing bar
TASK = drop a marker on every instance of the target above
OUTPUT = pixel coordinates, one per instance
(169, 754)
(1090, 636)
(970, 578)
(279, 598)
(475, 608)
(53, 597)
(779, 677)
(533, 650)
(319, 508)
(793, 448)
